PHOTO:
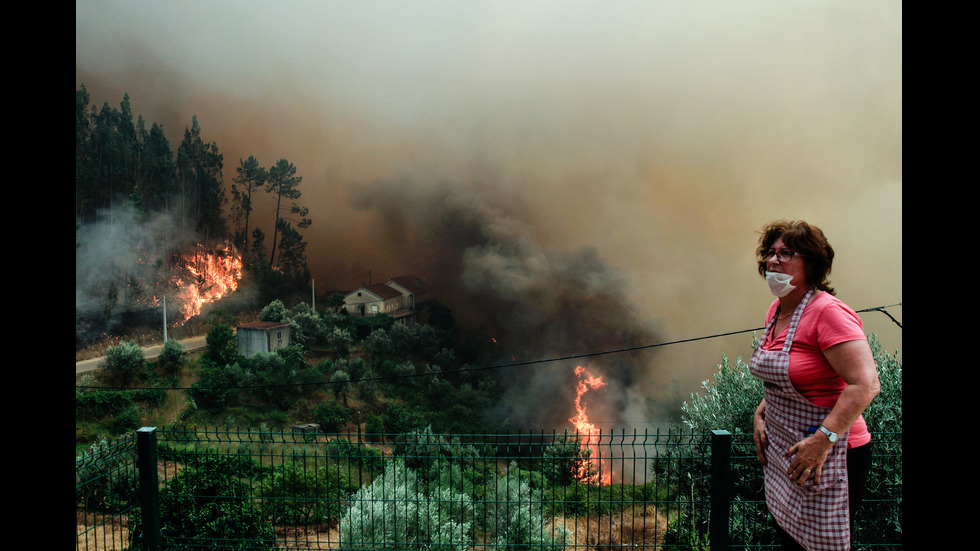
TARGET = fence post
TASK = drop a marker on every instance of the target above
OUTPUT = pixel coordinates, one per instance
(146, 465)
(721, 452)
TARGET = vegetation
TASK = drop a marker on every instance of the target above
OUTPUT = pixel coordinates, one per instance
(728, 403)
(129, 178)
(392, 379)
(208, 502)
(397, 387)
(431, 488)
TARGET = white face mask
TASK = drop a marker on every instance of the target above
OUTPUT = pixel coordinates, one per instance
(779, 283)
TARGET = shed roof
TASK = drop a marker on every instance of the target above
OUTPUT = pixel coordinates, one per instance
(263, 325)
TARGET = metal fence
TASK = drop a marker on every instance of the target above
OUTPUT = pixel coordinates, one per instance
(209, 488)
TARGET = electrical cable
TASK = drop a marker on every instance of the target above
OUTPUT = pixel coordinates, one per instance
(494, 366)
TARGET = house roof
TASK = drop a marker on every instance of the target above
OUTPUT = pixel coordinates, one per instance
(263, 325)
(381, 290)
(411, 283)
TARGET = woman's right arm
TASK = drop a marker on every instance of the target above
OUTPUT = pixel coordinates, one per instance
(759, 431)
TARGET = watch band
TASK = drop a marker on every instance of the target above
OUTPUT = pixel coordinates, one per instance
(832, 436)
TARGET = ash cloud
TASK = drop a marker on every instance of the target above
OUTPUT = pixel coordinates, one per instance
(641, 145)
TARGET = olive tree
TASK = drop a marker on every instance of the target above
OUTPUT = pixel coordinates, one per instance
(124, 362)
(172, 357)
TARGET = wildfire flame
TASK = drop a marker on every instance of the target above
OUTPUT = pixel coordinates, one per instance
(593, 471)
(205, 276)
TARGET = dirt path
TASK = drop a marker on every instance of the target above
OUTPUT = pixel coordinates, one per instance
(150, 351)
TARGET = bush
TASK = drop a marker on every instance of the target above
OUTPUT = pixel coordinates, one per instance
(340, 341)
(513, 516)
(566, 461)
(428, 453)
(222, 346)
(127, 420)
(172, 357)
(124, 362)
(307, 328)
(391, 513)
(274, 311)
(331, 416)
(295, 495)
(105, 477)
(346, 452)
(207, 505)
(402, 420)
(729, 402)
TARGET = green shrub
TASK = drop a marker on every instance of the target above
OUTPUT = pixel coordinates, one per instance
(514, 518)
(566, 461)
(346, 452)
(208, 505)
(222, 345)
(274, 311)
(172, 357)
(105, 476)
(331, 416)
(127, 420)
(391, 513)
(124, 362)
(297, 494)
(728, 402)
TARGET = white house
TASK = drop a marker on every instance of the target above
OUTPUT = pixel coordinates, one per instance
(398, 298)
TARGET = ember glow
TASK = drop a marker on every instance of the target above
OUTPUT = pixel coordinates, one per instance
(594, 471)
(204, 276)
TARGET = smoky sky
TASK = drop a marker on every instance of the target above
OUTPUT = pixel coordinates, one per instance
(520, 150)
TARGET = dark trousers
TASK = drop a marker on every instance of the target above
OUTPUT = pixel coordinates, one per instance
(858, 467)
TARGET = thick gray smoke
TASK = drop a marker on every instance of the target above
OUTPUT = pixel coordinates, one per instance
(122, 255)
(534, 303)
(126, 262)
(653, 137)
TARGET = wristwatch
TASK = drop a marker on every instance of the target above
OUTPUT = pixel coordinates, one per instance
(832, 436)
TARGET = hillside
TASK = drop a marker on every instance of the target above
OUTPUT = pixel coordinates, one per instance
(394, 379)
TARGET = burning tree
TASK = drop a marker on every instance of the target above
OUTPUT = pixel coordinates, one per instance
(593, 469)
(127, 267)
(202, 276)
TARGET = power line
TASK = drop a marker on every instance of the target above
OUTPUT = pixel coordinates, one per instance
(525, 363)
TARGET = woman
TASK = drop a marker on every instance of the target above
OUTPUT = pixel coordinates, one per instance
(819, 377)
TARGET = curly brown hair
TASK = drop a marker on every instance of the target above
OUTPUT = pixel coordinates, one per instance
(808, 241)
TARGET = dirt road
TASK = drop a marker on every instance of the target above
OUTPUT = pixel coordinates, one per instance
(151, 352)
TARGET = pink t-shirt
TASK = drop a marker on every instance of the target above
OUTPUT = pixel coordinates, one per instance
(826, 321)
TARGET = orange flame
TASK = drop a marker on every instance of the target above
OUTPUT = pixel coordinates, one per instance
(209, 275)
(594, 471)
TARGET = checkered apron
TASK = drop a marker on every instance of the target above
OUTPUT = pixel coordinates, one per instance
(816, 515)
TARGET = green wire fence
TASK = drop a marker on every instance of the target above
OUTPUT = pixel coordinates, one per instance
(192, 488)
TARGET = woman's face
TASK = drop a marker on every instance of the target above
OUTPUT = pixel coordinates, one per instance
(794, 265)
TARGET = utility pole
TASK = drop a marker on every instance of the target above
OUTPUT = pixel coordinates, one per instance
(164, 319)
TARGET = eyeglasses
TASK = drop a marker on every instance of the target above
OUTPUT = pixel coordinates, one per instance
(784, 255)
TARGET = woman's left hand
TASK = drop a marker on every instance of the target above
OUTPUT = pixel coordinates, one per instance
(808, 456)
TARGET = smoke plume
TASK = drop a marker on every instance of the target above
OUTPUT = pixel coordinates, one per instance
(535, 303)
(573, 176)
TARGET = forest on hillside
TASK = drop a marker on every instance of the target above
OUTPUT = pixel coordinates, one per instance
(150, 222)
(155, 220)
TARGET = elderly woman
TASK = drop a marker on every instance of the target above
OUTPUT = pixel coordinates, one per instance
(819, 377)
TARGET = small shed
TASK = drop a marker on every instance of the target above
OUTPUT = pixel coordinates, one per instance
(262, 336)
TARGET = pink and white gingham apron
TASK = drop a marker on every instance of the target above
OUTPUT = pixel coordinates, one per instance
(816, 515)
